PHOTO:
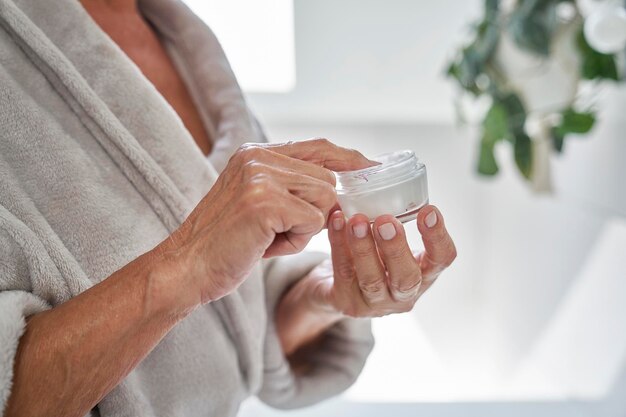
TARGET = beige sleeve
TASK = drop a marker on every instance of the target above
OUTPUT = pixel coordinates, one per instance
(333, 367)
(17, 302)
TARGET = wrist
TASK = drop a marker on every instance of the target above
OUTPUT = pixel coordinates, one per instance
(303, 314)
(315, 295)
(166, 292)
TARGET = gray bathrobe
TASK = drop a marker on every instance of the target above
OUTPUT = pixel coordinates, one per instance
(96, 168)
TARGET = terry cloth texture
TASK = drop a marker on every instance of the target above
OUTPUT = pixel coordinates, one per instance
(96, 168)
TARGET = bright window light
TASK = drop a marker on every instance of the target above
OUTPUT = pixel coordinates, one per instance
(258, 38)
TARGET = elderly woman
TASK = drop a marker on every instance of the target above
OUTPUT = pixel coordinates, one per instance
(135, 281)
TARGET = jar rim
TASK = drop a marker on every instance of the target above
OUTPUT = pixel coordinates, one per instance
(393, 168)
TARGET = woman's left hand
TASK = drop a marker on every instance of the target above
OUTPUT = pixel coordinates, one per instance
(373, 271)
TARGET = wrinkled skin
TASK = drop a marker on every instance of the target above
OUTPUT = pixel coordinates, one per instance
(270, 200)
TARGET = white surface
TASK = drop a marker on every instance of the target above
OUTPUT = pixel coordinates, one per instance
(586, 336)
(258, 38)
(341, 408)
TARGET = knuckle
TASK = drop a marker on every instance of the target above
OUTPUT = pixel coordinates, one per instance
(249, 151)
(330, 179)
(409, 288)
(328, 195)
(242, 149)
(393, 252)
(344, 269)
(362, 250)
(438, 237)
(374, 289)
(448, 258)
(251, 168)
(453, 255)
(356, 154)
(352, 312)
(380, 313)
(321, 141)
(268, 225)
(320, 220)
(403, 292)
(258, 189)
(406, 307)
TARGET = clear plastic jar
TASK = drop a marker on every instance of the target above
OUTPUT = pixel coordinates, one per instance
(398, 186)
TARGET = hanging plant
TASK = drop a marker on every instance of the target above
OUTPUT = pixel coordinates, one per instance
(529, 58)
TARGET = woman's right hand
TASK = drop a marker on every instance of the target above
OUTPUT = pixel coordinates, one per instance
(270, 200)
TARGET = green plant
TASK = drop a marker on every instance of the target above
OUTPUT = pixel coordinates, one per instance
(532, 25)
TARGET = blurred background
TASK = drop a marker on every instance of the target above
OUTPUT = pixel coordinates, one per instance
(531, 318)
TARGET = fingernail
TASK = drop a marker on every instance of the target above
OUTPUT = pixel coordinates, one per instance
(360, 230)
(387, 231)
(338, 223)
(431, 219)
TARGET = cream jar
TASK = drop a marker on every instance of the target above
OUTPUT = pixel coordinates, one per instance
(397, 186)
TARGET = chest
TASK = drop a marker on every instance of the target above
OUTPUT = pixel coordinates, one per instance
(139, 41)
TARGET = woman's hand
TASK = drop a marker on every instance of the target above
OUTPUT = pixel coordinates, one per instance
(269, 201)
(373, 273)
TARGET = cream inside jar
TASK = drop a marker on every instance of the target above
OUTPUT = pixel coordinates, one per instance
(397, 186)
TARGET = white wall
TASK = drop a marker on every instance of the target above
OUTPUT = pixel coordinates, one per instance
(371, 60)
(369, 77)
(518, 253)
(519, 256)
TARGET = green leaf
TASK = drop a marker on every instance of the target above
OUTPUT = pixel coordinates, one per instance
(532, 25)
(486, 41)
(473, 59)
(495, 128)
(596, 65)
(523, 153)
(487, 164)
(496, 124)
(491, 8)
(575, 122)
(505, 120)
(572, 122)
(516, 113)
(465, 70)
(558, 140)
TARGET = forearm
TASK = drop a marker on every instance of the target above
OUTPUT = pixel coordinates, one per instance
(70, 357)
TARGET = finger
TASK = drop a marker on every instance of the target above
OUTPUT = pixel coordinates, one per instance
(324, 153)
(404, 272)
(294, 222)
(439, 249)
(343, 268)
(369, 269)
(266, 154)
(319, 193)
